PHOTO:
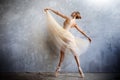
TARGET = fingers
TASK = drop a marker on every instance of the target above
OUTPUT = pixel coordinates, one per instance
(89, 40)
(46, 9)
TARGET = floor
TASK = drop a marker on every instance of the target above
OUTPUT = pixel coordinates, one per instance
(62, 76)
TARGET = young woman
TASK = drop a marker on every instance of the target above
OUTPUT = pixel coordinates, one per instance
(64, 39)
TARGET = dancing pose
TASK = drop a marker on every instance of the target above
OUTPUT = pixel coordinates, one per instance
(65, 39)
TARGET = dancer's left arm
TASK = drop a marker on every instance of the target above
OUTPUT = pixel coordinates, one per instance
(81, 31)
(58, 13)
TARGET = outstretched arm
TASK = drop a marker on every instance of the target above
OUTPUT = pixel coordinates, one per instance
(58, 13)
(81, 31)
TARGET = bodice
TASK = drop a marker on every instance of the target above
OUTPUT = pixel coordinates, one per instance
(68, 25)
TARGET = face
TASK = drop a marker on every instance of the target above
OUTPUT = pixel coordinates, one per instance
(76, 15)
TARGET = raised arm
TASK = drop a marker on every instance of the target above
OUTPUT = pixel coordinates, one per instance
(81, 31)
(58, 13)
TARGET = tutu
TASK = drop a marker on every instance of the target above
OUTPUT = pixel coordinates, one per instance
(62, 38)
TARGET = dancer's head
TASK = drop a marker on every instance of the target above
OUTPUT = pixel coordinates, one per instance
(76, 15)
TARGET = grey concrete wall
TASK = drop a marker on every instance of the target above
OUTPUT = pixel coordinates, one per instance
(24, 44)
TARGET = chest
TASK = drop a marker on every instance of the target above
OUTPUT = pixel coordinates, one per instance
(69, 23)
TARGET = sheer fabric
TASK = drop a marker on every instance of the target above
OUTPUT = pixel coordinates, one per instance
(62, 38)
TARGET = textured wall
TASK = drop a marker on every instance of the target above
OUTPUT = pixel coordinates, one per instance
(24, 45)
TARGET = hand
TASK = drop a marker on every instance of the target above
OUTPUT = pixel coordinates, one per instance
(46, 9)
(89, 40)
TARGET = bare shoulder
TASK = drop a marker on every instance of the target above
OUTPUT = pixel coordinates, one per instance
(67, 20)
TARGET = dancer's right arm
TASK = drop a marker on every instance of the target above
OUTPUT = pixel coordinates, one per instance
(80, 30)
(58, 13)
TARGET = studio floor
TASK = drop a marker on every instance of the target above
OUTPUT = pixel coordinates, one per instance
(62, 76)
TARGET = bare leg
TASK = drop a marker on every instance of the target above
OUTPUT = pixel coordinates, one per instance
(78, 63)
(60, 62)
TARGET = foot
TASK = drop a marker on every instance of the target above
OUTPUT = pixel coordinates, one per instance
(81, 72)
(82, 75)
(57, 71)
(56, 74)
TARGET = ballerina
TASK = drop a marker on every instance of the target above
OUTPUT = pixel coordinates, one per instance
(64, 39)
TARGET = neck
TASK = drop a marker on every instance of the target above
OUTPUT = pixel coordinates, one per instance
(74, 17)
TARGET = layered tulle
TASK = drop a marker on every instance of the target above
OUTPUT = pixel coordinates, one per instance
(63, 39)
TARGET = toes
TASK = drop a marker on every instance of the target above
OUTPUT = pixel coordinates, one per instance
(82, 75)
(56, 74)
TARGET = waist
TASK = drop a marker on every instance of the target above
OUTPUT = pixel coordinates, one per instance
(67, 29)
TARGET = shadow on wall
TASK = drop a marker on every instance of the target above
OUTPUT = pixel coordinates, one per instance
(118, 58)
(111, 61)
(117, 53)
(5, 61)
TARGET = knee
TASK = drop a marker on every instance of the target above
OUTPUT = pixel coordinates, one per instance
(74, 53)
(62, 52)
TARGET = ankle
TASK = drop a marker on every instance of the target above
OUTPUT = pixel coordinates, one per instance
(58, 68)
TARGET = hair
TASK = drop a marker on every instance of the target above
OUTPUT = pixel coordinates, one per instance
(76, 14)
